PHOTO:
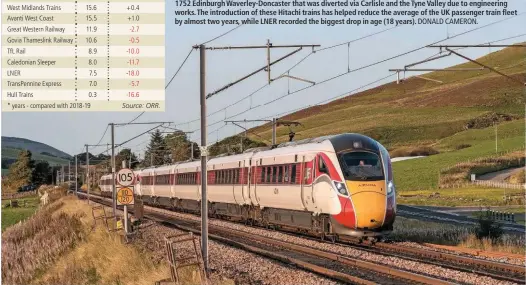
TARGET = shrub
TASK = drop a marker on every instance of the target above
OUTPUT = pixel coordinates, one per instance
(462, 146)
(488, 228)
(488, 119)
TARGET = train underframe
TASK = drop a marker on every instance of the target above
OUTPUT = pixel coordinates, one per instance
(323, 226)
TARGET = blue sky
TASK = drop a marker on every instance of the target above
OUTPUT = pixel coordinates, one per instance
(70, 131)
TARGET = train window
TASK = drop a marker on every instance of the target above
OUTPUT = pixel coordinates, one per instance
(262, 175)
(280, 174)
(293, 174)
(268, 174)
(234, 181)
(322, 167)
(239, 180)
(286, 174)
(274, 174)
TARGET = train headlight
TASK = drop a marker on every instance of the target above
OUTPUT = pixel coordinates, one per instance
(340, 187)
(390, 187)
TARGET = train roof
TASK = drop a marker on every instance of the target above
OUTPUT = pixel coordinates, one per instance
(332, 143)
(352, 141)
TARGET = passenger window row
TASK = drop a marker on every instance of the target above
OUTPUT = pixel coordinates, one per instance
(278, 174)
(227, 176)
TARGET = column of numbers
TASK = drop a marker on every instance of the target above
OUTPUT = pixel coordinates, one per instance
(138, 60)
(92, 61)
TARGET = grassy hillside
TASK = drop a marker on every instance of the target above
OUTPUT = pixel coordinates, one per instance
(417, 111)
(454, 118)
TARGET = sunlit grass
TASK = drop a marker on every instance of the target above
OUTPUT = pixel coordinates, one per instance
(447, 234)
(467, 196)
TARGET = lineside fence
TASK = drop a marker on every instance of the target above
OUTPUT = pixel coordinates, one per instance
(498, 184)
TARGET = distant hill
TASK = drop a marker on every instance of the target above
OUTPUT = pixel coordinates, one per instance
(11, 147)
(33, 146)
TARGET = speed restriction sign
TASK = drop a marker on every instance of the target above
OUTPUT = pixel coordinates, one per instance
(125, 177)
(125, 196)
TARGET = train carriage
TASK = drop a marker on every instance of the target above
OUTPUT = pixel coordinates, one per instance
(163, 186)
(327, 186)
(105, 185)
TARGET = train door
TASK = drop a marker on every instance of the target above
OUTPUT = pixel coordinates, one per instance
(153, 175)
(304, 190)
(246, 185)
(238, 175)
(306, 180)
(172, 182)
(197, 180)
(253, 187)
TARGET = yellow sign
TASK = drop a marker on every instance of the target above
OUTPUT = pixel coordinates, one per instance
(125, 196)
(119, 224)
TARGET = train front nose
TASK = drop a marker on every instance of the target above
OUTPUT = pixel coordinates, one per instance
(369, 201)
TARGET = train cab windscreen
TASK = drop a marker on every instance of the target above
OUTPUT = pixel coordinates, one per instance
(361, 166)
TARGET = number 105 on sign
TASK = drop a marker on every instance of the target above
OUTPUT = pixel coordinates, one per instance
(125, 177)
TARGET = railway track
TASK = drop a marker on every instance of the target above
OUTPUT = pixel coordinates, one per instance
(497, 270)
(342, 267)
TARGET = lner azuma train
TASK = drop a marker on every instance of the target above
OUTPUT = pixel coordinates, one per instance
(327, 186)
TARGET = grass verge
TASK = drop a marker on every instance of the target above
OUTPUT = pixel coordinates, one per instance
(446, 234)
(517, 177)
(101, 258)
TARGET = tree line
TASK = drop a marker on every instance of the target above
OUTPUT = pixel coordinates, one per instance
(161, 150)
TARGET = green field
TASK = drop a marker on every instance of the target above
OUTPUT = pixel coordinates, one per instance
(422, 173)
(11, 216)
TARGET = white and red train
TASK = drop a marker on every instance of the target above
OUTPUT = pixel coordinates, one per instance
(328, 186)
